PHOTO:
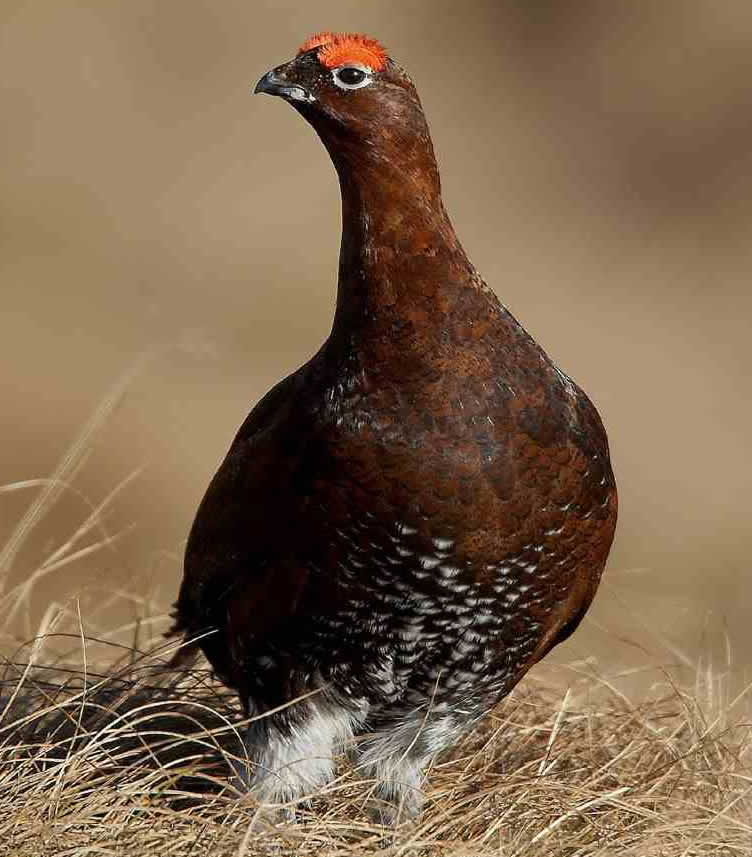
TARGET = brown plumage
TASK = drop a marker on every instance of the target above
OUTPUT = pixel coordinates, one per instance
(406, 524)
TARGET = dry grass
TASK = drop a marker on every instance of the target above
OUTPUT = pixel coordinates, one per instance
(103, 751)
(133, 759)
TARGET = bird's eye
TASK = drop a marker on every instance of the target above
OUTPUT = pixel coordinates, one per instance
(352, 76)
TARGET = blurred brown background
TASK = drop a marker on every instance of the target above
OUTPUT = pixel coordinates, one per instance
(597, 162)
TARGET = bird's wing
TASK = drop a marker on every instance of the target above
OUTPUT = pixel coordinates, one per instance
(248, 504)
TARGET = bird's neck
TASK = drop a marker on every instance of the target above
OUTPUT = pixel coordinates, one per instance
(401, 265)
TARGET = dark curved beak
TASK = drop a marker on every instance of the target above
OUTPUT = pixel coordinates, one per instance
(273, 83)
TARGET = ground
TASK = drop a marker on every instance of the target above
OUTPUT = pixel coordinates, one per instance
(124, 757)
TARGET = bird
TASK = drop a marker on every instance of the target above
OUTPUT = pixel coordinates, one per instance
(406, 524)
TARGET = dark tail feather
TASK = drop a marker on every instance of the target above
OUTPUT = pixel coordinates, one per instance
(185, 654)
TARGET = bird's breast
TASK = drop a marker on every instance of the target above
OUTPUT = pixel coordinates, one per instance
(493, 464)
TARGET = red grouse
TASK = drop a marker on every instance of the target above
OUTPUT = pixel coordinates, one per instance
(409, 522)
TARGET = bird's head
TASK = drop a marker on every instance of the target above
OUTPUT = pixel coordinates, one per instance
(361, 103)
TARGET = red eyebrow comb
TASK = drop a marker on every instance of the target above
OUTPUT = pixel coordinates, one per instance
(336, 49)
